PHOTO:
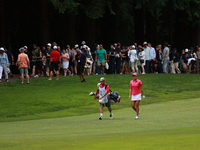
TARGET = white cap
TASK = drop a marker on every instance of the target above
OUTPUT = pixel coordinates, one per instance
(55, 47)
(145, 43)
(76, 46)
(102, 79)
(25, 47)
(2, 49)
(186, 50)
(133, 46)
(21, 49)
(49, 44)
(84, 46)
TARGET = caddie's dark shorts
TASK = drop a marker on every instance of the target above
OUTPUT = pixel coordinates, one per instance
(106, 104)
(80, 69)
(54, 65)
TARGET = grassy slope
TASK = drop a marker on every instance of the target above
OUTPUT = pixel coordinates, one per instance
(167, 125)
(69, 97)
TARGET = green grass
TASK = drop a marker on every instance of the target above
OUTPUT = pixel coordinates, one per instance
(69, 97)
(166, 125)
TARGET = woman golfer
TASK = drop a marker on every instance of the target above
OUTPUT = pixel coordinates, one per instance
(135, 93)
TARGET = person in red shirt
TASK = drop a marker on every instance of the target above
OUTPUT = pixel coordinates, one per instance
(135, 93)
(55, 60)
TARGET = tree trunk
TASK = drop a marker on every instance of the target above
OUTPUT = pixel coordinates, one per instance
(2, 25)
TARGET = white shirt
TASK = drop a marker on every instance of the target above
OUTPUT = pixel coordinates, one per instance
(133, 55)
(142, 55)
(147, 53)
(153, 53)
(102, 90)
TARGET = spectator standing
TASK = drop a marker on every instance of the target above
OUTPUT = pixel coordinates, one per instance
(24, 64)
(4, 63)
(48, 52)
(89, 62)
(10, 59)
(118, 56)
(184, 61)
(165, 59)
(141, 57)
(147, 51)
(111, 59)
(159, 56)
(81, 60)
(171, 57)
(39, 69)
(153, 58)
(101, 58)
(198, 58)
(133, 58)
(55, 60)
(71, 59)
(124, 54)
(176, 58)
(94, 65)
(65, 58)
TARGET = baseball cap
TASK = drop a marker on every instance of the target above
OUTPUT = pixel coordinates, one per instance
(55, 47)
(78, 50)
(49, 44)
(145, 43)
(2, 49)
(102, 79)
(67, 46)
(186, 50)
(134, 74)
(83, 43)
(21, 49)
(76, 46)
(118, 44)
(25, 47)
(115, 43)
(133, 46)
(84, 46)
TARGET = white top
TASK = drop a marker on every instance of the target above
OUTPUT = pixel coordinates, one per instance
(132, 55)
(153, 53)
(102, 90)
(141, 55)
(147, 53)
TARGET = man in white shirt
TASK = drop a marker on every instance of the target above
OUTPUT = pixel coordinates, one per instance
(147, 51)
(153, 58)
(165, 59)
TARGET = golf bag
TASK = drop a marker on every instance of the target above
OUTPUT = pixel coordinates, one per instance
(112, 97)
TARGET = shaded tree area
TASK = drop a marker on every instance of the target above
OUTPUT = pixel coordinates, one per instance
(25, 22)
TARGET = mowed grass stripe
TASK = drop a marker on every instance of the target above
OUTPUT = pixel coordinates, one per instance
(165, 115)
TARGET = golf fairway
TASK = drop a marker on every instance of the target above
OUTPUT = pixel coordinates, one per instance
(165, 125)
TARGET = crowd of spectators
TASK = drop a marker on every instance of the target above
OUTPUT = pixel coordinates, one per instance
(82, 60)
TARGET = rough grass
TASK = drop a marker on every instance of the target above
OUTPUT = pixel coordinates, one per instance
(69, 97)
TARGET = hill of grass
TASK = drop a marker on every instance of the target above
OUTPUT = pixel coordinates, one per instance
(69, 97)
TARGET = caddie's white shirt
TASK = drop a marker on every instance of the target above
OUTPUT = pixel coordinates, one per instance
(102, 90)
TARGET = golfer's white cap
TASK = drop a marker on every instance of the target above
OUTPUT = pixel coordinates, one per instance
(102, 79)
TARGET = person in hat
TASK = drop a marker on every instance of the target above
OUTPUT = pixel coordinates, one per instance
(81, 60)
(147, 51)
(4, 64)
(184, 61)
(141, 57)
(135, 93)
(176, 59)
(48, 52)
(55, 61)
(102, 90)
(23, 63)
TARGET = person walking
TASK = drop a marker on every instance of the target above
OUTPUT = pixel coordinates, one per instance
(4, 64)
(102, 90)
(24, 64)
(135, 93)
(81, 60)
(55, 60)
(101, 58)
